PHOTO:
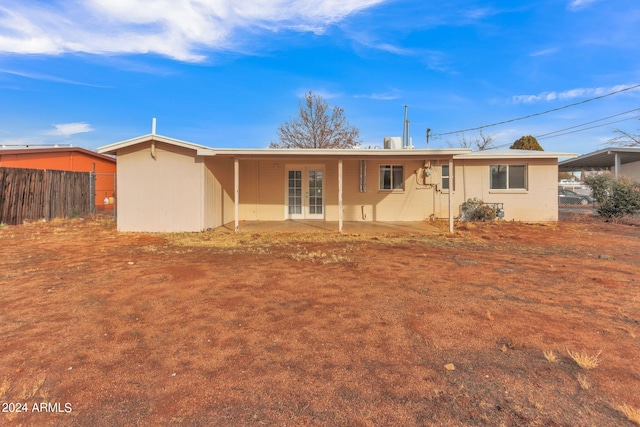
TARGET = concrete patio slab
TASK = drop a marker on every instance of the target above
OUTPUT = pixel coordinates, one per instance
(349, 227)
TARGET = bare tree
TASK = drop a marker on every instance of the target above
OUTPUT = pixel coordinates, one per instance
(316, 128)
(625, 139)
(483, 142)
(478, 142)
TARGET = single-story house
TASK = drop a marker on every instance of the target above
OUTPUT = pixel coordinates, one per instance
(619, 160)
(165, 184)
(73, 159)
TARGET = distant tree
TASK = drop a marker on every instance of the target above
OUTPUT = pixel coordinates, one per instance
(566, 175)
(625, 139)
(526, 143)
(478, 142)
(315, 127)
(462, 142)
(483, 142)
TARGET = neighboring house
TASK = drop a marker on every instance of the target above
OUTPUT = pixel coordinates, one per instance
(165, 184)
(73, 159)
(619, 160)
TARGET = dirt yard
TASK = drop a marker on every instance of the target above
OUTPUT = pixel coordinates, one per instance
(103, 329)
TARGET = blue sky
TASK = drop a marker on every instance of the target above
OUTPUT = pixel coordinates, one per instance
(227, 73)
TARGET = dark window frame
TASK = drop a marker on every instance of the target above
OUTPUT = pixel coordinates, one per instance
(505, 177)
(394, 171)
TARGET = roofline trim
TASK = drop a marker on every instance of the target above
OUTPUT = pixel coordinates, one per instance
(6, 151)
(113, 148)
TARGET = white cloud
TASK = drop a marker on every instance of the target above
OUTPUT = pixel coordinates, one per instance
(580, 4)
(544, 52)
(391, 95)
(46, 77)
(180, 29)
(323, 93)
(396, 50)
(479, 13)
(567, 94)
(69, 129)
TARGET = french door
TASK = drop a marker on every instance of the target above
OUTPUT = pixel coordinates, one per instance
(305, 193)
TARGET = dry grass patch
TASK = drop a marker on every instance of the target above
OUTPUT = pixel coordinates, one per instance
(584, 360)
(584, 382)
(36, 388)
(4, 387)
(320, 256)
(264, 242)
(550, 356)
(632, 414)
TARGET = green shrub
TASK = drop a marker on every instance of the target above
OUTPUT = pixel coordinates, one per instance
(615, 197)
(476, 210)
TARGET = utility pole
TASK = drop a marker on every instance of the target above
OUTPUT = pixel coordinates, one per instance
(428, 132)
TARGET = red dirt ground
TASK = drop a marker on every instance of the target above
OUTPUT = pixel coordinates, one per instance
(110, 329)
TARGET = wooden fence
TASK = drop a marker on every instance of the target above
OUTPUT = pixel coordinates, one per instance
(33, 194)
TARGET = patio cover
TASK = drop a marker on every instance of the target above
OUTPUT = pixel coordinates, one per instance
(607, 158)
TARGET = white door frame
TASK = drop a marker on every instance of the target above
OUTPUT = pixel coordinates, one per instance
(305, 196)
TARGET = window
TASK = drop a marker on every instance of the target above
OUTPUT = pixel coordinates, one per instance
(506, 177)
(391, 177)
(445, 177)
(295, 192)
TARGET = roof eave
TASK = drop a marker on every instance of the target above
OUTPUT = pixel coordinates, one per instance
(516, 154)
(113, 148)
(308, 152)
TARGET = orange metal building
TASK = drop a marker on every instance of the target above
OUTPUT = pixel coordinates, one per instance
(74, 159)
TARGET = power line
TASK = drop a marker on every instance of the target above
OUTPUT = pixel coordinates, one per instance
(541, 113)
(592, 127)
(588, 123)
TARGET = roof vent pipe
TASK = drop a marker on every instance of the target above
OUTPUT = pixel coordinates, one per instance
(153, 126)
(405, 129)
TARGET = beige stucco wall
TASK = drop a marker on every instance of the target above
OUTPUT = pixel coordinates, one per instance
(263, 187)
(219, 204)
(632, 170)
(180, 191)
(415, 203)
(538, 203)
(165, 194)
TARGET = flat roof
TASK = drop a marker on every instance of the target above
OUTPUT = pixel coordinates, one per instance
(333, 152)
(51, 150)
(513, 154)
(246, 153)
(601, 159)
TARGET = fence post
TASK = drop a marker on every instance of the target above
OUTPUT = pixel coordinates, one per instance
(92, 192)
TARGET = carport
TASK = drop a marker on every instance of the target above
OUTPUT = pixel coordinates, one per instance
(612, 159)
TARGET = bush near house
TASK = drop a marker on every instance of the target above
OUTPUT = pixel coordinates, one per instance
(476, 210)
(615, 197)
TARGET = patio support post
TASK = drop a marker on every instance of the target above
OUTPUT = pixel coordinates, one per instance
(617, 165)
(340, 195)
(451, 186)
(236, 193)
